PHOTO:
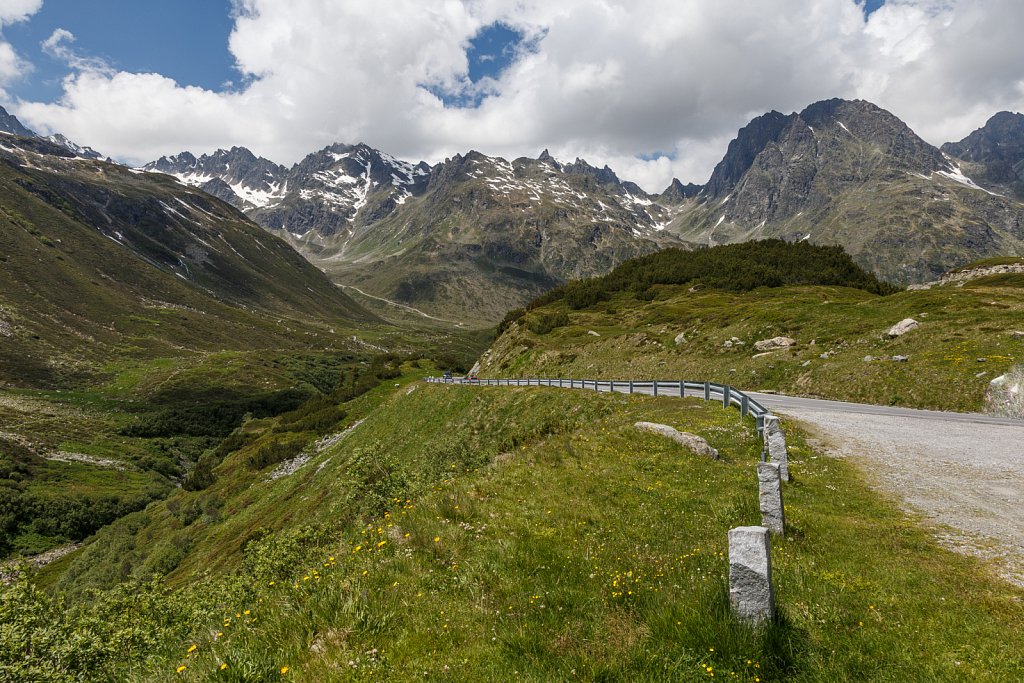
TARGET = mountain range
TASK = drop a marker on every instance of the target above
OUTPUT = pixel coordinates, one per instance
(473, 236)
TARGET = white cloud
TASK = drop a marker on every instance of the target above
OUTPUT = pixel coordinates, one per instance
(12, 66)
(608, 80)
(12, 11)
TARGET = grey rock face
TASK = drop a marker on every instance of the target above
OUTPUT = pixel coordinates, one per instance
(769, 488)
(998, 148)
(691, 441)
(750, 574)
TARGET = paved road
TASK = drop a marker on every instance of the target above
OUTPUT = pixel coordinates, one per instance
(962, 472)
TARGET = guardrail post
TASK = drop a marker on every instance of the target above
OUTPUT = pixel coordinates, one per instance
(769, 494)
(725, 396)
(744, 405)
(655, 387)
(682, 388)
(707, 391)
(631, 386)
(750, 574)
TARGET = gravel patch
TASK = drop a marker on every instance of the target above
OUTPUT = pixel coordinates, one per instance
(965, 479)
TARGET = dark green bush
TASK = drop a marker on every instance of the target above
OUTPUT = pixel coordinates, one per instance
(276, 450)
(542, 322)
(733, 267)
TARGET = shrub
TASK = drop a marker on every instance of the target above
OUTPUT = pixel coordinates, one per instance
(733, 267)
(542, 322)
(277, 449)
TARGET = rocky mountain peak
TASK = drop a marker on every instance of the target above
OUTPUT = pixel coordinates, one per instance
(676, 192)
(744, 148)
(997, 148)
(9, 123)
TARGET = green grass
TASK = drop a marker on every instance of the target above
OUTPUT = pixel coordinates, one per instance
(530, 534)
(637, 340)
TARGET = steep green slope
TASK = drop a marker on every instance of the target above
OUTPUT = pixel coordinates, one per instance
(100, 261)
(139, 323)
(841, 349)
(478, 534)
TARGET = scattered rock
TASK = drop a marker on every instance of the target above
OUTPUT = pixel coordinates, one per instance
(774, 343)
(981, 374)
(680, 338)
(727, 344)
(766, 353)
(868, 359)
(914, 288)
(901, 359)
(806, 363)
(824, 356)
(1017, 334)
(902, 327)
(1005, 395)
(685, 439)
(6, 330)
(982, 360)
(593, 334)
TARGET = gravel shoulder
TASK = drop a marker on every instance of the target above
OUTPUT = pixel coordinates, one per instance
(964, 478)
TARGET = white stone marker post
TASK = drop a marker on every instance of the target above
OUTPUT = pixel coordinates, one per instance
(769, 492)
(750, 574)
(776, 440)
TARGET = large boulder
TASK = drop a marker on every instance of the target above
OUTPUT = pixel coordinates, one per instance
(1005, 395)
(902, 327)
(774, 343)
(685, 439)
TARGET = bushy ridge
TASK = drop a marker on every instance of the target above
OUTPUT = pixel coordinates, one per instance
(732, 267)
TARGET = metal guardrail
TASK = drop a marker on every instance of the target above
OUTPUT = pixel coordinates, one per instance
(709, 391)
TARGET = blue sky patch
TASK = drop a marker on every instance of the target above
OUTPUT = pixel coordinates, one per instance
(871, 6)
(490, 52)
(186, 40)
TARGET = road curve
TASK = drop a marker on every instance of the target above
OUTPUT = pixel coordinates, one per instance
(962, 472)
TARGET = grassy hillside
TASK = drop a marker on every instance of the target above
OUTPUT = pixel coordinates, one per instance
(965, 339)
(482, 534)
(140, 323)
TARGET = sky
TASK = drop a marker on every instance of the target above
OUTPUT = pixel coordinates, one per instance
(653, 88)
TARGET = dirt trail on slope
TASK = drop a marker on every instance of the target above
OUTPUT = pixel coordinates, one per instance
(966, 480)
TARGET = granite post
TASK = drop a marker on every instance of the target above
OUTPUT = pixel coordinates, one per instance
(769, 491)
(750, 574)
